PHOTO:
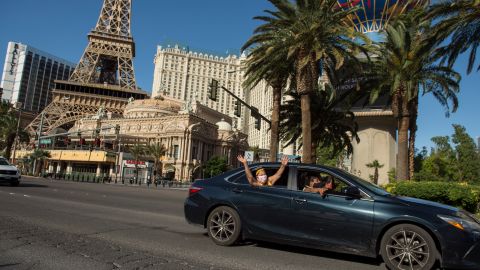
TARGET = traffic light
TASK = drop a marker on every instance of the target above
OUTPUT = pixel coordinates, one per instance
(117, 129)
(213, 90)
(257, 122)
(238, 108)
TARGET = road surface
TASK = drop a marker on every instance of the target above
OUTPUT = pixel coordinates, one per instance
(50, 224)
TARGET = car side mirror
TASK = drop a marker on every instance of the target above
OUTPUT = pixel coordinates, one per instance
(352, 192)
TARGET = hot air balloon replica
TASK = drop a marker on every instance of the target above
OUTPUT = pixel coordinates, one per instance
(373, 15)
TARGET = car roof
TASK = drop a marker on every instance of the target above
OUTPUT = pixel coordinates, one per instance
(295, 164)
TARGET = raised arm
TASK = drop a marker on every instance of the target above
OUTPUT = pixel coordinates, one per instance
(274, 178)
(249, 174)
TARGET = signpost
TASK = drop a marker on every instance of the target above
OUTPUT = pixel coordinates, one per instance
(249, 156)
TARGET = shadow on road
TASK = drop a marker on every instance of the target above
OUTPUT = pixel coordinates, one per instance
(24, 185)
(310, 251)
(319, 253)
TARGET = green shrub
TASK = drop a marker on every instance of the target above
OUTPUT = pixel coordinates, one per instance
(456, 194)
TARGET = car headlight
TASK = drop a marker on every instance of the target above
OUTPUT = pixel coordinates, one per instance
(462, 221)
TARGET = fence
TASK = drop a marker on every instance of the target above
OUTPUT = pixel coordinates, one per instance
(93, 178)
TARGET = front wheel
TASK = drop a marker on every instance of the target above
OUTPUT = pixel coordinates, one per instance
(407, 246)
(224, 226)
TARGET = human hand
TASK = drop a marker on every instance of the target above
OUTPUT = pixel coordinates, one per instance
(241, 159)
(284, 160)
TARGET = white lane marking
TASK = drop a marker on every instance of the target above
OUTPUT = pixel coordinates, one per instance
(104, 196)
(11, 193)
(55, 190)
(24, 195)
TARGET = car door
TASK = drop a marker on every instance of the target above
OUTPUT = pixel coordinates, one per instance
(333, 219)
(265, 211)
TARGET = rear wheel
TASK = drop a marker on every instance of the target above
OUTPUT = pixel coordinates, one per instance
(408, 247)
(224, 226)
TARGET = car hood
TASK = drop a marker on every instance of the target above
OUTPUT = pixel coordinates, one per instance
(8, 168)
(420, 202)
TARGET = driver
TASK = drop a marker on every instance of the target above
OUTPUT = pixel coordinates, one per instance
(261, 178)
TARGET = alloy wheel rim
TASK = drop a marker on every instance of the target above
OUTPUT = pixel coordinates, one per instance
(407, 250)
(222, 226)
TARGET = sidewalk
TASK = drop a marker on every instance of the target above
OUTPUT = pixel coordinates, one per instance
(126, 184)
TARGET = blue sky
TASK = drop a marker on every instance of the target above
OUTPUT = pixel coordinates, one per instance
(60, 27)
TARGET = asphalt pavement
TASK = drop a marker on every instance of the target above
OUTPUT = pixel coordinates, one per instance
(52, 224)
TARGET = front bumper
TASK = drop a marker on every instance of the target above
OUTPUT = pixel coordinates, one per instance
(8, 178)
(461, 250)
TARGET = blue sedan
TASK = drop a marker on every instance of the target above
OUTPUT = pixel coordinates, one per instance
(353, 217)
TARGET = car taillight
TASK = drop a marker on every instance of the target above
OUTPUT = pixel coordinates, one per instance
(192, 190)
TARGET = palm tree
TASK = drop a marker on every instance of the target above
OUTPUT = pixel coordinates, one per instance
(268, 61)
(332, 126)
(157, 151)
(39, 156)
(8, 132)
(376, 165)
(458, 19)
(137, 150)
(314, 32)
(405, 67)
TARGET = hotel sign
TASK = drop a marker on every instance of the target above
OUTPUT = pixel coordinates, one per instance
(14, 61)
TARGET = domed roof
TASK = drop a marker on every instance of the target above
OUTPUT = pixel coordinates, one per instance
(151, 108)
(223, 125)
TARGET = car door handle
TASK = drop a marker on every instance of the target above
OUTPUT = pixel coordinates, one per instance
(237, 190)
(300, 200)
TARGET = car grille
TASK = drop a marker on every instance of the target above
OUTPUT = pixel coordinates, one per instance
(8, 172)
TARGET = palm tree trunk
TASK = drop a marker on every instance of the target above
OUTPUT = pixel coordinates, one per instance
(306, 129)
(274, 136)
(411, 140)
(402, 162)
(9, 144)
(305, 83)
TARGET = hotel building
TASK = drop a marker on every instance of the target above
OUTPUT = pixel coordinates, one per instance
(28, 76)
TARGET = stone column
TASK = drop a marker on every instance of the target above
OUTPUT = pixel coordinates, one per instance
(99, 169)
(111, 169)
(69, 168)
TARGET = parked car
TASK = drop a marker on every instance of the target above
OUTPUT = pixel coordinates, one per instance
(355, 217)
(9, 173)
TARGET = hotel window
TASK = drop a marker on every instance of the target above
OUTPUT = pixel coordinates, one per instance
(176, 151)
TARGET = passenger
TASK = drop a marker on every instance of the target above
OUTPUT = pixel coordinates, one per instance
(320, 187)
(262, 179)
(312, 184)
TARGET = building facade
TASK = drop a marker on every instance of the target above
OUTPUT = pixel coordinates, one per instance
(186, 75)
(191, 133)
(29, 74)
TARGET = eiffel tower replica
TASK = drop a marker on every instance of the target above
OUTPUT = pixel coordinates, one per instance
(104, 77)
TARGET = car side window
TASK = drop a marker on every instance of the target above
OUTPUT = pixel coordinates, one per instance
(280, 183)
(241, 178)
(304, 176)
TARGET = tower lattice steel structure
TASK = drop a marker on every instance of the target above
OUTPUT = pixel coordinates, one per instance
(104, 77)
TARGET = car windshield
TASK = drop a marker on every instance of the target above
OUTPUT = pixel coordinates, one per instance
(3, 161)
(371, 186)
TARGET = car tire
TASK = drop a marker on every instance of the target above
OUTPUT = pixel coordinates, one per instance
(224, 226)
(406, 246)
